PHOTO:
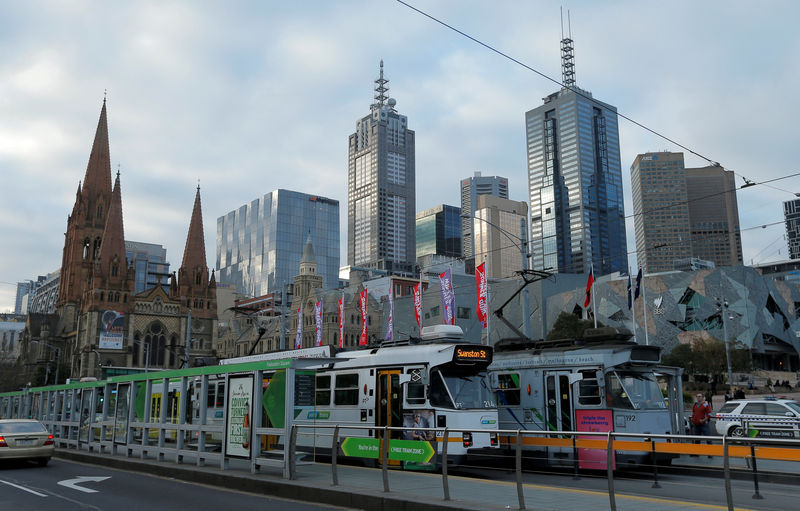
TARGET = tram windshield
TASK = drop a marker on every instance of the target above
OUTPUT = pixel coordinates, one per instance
(459, 388)
(634, 391)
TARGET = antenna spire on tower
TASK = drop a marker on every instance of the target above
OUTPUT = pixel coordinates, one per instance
(567, 54)
(381, 89)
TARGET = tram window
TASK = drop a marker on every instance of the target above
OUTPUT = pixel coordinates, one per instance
(323, 394)
(588, 388)
(508, 389)
(415, 389)
(346, 391)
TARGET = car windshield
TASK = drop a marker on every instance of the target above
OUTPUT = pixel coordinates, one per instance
(22, 427)
(455, 387)
(728, 407)
(633, 390)
(794, 405)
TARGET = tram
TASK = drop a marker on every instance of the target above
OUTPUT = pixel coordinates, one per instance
(602, 382)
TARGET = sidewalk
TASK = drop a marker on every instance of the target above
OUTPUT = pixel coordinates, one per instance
(362, 488)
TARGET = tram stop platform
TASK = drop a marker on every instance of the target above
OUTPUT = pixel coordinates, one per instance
(362, 488)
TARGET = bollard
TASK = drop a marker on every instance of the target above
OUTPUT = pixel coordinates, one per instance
(334, 455)
(655, 464)
(520, 494)
(385, 457)
(575, 475)
(727, 470)
(756, 495)
(445, 482)
(610, 471)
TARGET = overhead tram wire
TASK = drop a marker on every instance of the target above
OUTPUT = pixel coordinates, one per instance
(561, 84)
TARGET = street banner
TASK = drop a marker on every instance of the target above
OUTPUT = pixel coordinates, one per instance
(318, 321)
(340, 308)
(448, 297)
(240, 398)
(481, 288)
(363, 306)
(391, 316)
(112, 330)
(298, 341)
(418, 304)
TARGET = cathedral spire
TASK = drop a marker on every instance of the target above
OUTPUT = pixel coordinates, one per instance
(97, 180)
(194, 254)
(112, 250)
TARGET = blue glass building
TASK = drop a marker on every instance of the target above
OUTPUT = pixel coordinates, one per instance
(260, 244)
(439, 231)
(577, 217)
(150, 263)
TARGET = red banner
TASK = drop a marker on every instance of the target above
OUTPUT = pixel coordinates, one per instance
(482, 290)
(363, 305)
(418, 304)
(340, 308)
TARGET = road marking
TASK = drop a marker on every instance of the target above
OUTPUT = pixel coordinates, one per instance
(73, 483)
(23, 488)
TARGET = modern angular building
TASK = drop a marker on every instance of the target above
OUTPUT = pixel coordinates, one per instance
(471, 188)
(381, 202)
(260, 244)
(500, 228)
(439, 231)
(150, 262)
(661, 211)
(791, 215)
(577, 217)
(714, 215)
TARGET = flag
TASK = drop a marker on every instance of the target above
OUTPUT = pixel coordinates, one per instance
(638, 284)
(448, 297)
(630, 301)
(340, 308)
(589, 284)
(481, 290)
(391, 316)
(318, 321)
(418, 304)
(298, 341)
(363, 305)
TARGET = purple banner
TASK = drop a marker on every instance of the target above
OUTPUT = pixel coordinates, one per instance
(391, 315)
(448, 297)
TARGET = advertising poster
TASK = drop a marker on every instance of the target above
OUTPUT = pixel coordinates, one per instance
(595, 421)
(420, 419)
(121, 414)
(237, 416)
(112, 330)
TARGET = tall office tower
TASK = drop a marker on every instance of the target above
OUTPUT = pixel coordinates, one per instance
(26, 287)
(260, 244)
(439, 231)
(150, 262)
(791, 215)
(714, 215)
(575, 180)
(503, 252)
(381, 202)
(471, 187)
(661, 210)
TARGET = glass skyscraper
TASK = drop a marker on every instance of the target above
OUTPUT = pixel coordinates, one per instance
(439, 231)
(577, 217)
(259, 245)
(381, 199)
(150, 263)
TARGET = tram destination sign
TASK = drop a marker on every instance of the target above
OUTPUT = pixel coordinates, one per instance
(474, 353)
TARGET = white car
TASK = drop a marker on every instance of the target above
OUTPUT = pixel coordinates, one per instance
(766, 417)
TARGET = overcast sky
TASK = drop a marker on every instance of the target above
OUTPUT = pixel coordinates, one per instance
(248, 97)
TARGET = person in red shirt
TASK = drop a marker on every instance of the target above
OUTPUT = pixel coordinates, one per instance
(701, 416)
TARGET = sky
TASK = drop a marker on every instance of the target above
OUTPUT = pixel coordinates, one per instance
(249, 97)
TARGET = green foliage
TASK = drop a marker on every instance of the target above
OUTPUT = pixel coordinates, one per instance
(569, 326)
(707, 356)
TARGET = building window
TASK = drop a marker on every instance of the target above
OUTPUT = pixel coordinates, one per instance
(463, 312)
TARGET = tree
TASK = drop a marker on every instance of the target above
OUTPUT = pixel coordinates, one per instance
(707, 356)
(569, 326)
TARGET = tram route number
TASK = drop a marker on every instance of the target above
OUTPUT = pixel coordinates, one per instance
(628, 418)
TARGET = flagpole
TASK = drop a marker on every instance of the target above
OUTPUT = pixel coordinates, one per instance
(594, 302)
(644, 309)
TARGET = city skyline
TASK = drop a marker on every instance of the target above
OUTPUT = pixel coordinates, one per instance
(201, 93)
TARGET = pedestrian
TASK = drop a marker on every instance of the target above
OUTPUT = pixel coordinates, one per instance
(739, 394)
(714, 386)
(701, 416)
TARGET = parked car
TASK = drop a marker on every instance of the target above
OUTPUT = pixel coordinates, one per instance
(766, 417)
(25, 439)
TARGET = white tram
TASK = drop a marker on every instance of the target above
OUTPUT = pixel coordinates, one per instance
(602, 382)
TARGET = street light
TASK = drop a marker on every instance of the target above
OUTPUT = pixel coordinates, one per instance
(58, 355)
(722, 307)
(521, 242)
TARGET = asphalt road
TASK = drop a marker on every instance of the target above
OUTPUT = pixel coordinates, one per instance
(66, 485)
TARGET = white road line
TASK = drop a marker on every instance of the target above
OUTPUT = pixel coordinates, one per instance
(23, 488)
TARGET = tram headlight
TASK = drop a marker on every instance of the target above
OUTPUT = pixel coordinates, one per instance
(466, 439)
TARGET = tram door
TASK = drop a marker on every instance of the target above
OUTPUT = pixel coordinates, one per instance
(389, 406)
(559, 409)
